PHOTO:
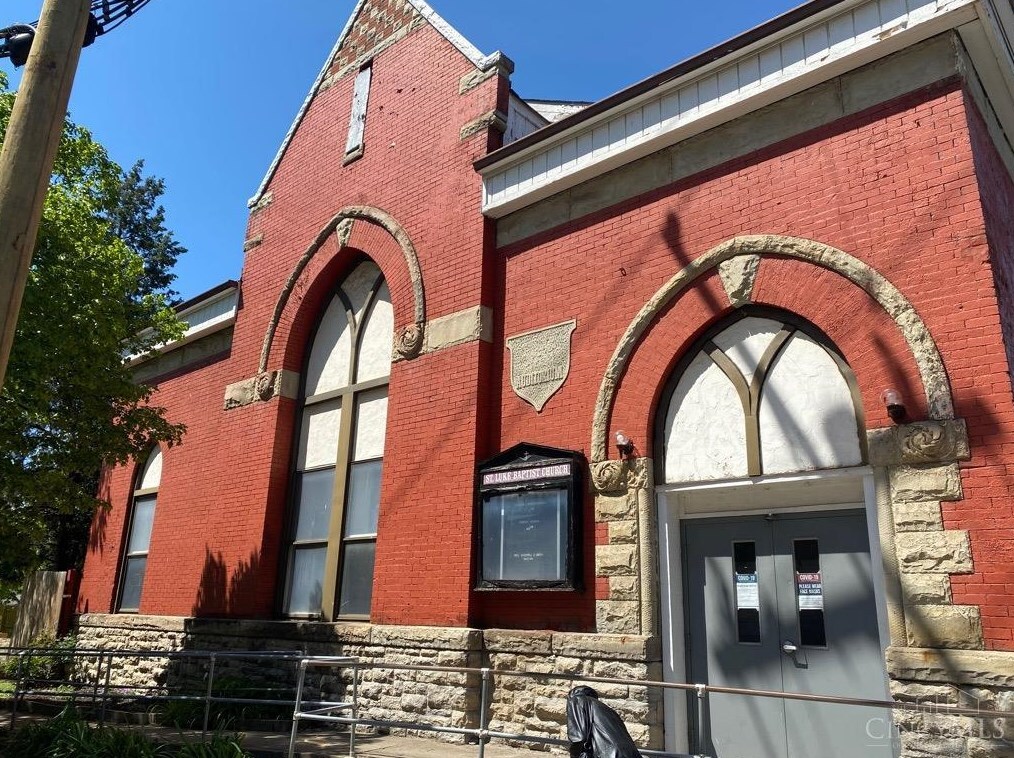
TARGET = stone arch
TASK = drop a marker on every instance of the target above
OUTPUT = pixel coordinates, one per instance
(408, 338)
(936, 386)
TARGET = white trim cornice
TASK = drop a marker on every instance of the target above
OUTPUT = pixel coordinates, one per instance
(822, 47)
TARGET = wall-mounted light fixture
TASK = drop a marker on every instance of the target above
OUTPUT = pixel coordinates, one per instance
(624, 443)
(895, 406)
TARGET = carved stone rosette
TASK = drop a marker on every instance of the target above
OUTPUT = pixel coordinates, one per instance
(609, 477)
(408, 341)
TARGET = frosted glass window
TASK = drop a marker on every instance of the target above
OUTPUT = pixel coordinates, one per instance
(762, 396)
(140, 531)
(371, 424)
(807, 417)
(315, 490)
(152, 475)
(357, 579)
(339, 462)
(745, 342)
(318, 444)
(331, 355)
(138, 541)
(307, 587)
(705, 432)
(364, 499)
(357, 121)
(133, 580)
(377, 339)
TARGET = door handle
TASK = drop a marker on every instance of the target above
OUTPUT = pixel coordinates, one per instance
(789, 648)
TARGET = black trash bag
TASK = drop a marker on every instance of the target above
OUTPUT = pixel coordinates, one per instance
(594, 729)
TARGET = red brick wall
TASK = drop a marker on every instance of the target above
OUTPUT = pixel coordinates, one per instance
(984, 388)
(894, 186)
(221, 508)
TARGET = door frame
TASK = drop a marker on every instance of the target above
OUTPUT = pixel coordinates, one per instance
(800, 493)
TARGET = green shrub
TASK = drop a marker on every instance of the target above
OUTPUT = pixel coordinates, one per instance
(52, 661)
(67, 736)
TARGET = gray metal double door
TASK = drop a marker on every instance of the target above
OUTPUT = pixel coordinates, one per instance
(786, 603)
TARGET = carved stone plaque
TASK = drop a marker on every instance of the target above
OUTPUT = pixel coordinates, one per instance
(540, 362)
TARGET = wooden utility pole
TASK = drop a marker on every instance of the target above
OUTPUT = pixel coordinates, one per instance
(29, 149)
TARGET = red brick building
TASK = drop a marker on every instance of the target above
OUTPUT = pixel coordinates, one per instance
(709, 381)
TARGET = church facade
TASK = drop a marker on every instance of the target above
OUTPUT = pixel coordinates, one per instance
(709, 381)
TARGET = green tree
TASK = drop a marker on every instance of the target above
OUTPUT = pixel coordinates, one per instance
(98, 290)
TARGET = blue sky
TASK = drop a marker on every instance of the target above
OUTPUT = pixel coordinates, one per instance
(205, 91)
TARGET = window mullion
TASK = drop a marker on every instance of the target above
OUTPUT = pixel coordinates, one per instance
(338, 504)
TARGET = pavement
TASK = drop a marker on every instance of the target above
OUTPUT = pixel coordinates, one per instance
(325, 744)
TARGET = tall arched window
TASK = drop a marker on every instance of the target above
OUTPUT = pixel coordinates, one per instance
(336, 494)
(768, 394)
(142, 516)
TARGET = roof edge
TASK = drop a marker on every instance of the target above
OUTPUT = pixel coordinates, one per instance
(434, 19)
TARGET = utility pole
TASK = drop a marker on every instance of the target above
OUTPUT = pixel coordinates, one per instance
(29, 149)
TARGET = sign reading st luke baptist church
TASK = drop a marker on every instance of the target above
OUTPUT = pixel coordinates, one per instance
(540, 362)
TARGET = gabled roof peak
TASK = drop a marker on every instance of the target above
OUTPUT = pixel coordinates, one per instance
(434, 19)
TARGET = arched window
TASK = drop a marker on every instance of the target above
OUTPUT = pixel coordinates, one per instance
(336, 493)
(142, 516)
(767, 394)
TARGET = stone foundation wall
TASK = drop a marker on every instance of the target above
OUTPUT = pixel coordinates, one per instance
(532, 705)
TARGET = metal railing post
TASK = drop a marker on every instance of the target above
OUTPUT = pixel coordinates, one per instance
(207, 697)
(702, 718)
(295, 708)
(105, 689)
(483, 718)
(355, 710)
(98, 676)
(17, 687)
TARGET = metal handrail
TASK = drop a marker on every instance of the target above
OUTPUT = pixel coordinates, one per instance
(102, 691)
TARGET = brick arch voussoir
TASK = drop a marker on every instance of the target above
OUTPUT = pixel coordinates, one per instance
(409, 337)
(936, 387)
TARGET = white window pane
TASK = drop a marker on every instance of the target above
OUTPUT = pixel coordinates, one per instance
(357, 578)
(745, 342)
(140, 527)
(358, 285)
(364, 499)
(807, 417)
(318, 443)
(357, 121)
(152, 471)
(306, 585)
(133, 580)
(378, 336)
(331, 354)
(705, 428)
(371, 424)
(315, 489)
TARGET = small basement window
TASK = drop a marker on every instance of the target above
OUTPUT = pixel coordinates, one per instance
(529, 506)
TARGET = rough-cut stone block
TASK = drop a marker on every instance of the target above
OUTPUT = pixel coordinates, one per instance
(617, 617)
(916, 692)
(624, 588)
(921, 442)
(917, 745)
(613, 507)
(920, 484)
(427, 637)
(622, 532)
(926, 589)
(917, 517)
(615, 560)
(944, 626)
(517, 641)
(988, 668)
(990, 748)
(626, 647)
(934, 552)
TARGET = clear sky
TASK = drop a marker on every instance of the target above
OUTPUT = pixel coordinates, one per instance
(204, 90)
